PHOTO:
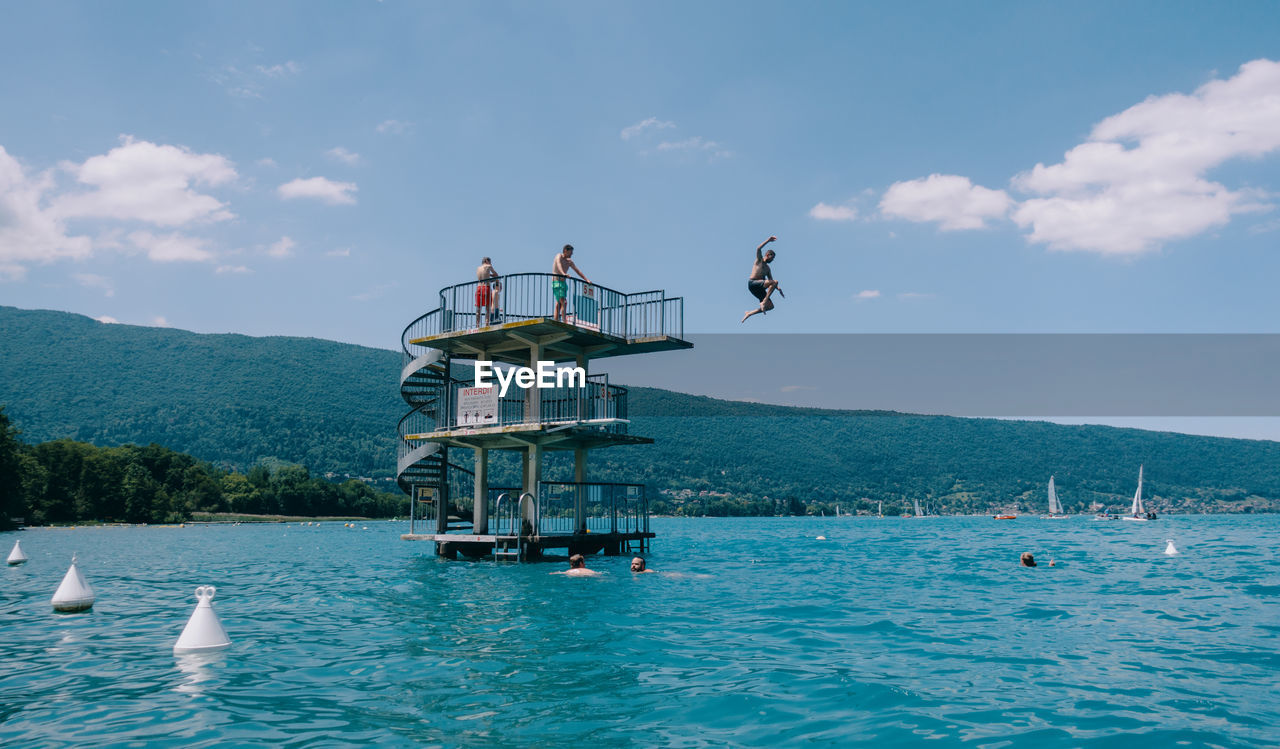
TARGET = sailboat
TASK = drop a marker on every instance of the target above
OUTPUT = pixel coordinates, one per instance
(880, 510)
(918, 513)
(1055, 507)
(1137, 513)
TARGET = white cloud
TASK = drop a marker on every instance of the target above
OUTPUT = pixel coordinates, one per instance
(267, 161)
(696, 143)
(342, 252)
(107, 320)
(867, 294)
(169, 248)
(282, 70)
(394, 127)
(159, 322)
(92, 281)
(824, 212)
(319, 188)
(142, 181)
(343, 156)
(224, 269)
(653, 123)
(1140, 179)
(29, 231)
(374, 293)
(915, 295)
(282, 248)
(953, 201)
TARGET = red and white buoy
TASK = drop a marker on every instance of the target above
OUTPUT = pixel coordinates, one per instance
(75, 593)
(203, 632)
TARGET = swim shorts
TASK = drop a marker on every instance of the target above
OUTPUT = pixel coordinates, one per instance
(757, 288)
(482, 295)
(559, 289)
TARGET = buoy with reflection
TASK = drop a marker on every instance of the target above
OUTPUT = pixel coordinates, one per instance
(203, 632)
(16, 556)
(821, 538)
(75, 593)
(1170, 549)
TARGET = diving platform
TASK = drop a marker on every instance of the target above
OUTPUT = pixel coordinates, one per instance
(509, 342)
(523, 320)
(453, 545)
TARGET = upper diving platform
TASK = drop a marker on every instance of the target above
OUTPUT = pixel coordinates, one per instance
(500, 319)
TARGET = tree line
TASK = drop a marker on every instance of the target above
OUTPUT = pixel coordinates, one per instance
(63, 481)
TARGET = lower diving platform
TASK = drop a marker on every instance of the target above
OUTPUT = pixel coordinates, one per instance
(520, 548)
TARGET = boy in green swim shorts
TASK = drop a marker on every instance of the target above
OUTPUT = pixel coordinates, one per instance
(560, 268)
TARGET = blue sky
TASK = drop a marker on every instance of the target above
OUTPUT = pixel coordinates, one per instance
(321, 169)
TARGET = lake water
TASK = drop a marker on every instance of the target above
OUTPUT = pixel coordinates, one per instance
(890, 631)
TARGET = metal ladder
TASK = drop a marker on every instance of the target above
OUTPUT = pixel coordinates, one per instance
(502, 548)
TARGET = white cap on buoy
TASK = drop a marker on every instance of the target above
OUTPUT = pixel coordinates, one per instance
(75, 593)
(821, 538)
(16, 556)
(1170, 549)
(203, 631)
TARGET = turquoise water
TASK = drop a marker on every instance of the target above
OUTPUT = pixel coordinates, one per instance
(755, 634)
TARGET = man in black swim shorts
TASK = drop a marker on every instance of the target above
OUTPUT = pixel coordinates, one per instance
(761, 283)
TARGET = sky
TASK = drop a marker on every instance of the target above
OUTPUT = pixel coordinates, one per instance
(322, 169)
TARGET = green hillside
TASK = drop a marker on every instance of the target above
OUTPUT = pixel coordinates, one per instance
(237, 401)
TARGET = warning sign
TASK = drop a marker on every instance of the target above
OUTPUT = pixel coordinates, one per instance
(478, 406)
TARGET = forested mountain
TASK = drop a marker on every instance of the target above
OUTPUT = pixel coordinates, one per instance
(237, 401)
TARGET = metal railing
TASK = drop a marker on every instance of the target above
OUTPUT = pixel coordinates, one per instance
(531, 296)
(606, 507)
(597, 400)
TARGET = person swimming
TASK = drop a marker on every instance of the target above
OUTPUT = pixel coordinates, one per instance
(577, 567)
(638, 565)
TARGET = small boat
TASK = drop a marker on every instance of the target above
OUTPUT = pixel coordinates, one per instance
(918, 513)
(1137, 514)
(880, 510)
(1104, 515)
(1005, 517)
(1055, 507)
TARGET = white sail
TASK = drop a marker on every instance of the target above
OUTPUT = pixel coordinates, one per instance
(1137, 497)
(1055, 508)
(918, 513)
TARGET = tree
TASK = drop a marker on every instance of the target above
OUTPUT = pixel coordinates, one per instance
(12, 497)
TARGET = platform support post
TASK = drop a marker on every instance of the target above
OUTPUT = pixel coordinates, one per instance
(580, 495)
(532, 479)
(480, 515)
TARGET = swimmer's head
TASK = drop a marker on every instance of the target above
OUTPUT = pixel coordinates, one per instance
(637, 564)
(577, 561)
(1028, 560)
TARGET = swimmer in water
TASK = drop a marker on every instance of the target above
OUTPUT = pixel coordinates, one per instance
(577, 567)
(637, 565)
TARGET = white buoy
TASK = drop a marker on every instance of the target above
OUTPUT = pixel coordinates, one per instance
(75, 593)
(16, 556)
(1170, 549)
(203, 631)
(821, 538)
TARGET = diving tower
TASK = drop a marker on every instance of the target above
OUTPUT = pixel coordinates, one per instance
(450, 420)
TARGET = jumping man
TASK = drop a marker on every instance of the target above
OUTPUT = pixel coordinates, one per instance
(761, 283)
(560, 268)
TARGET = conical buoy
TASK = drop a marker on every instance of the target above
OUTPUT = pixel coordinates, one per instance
(1170, 549)
(75, 593)
(203, 631)
(16, 556)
